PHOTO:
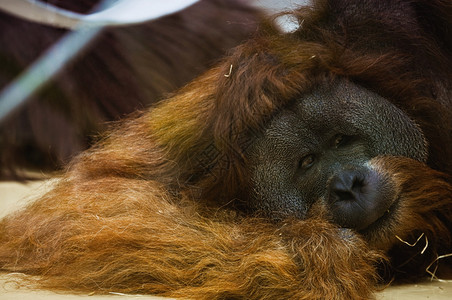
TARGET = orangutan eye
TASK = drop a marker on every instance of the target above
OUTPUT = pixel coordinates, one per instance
(306, 162)
(340, 140)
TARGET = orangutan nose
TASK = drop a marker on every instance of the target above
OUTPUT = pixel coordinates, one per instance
(358, 197)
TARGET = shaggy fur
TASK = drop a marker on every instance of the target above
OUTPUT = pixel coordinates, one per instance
(152, 207)
(124, 69)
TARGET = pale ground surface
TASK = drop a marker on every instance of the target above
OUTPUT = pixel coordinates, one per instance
(13, 195)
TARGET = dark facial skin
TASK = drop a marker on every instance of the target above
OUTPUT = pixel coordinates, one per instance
(318, 150)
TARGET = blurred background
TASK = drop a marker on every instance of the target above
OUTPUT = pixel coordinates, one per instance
(102, 75)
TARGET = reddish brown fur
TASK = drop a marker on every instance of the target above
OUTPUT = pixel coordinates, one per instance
(144, 243)
(423, 209)
(150, 208)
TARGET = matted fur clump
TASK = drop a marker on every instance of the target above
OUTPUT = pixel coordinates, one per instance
(154, 206)
(144, 243)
